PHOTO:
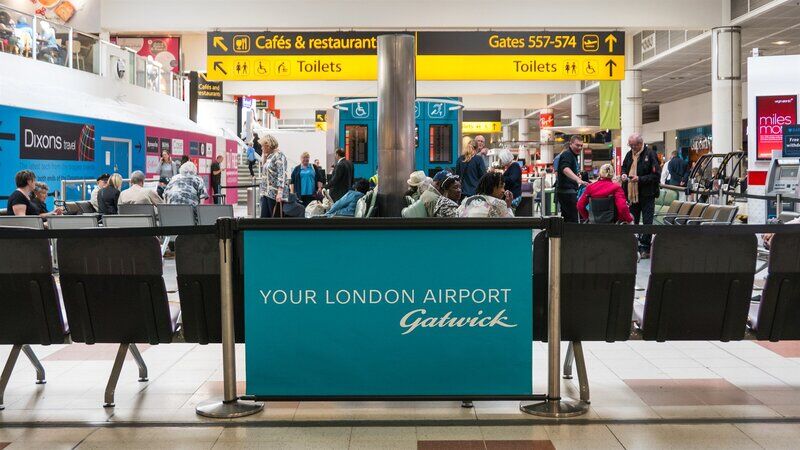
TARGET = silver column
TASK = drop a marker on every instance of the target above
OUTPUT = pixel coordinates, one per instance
(397, 91)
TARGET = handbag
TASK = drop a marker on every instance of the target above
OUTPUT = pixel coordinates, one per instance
(278, 206)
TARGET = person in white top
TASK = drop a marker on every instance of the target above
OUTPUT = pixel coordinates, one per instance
(137, 194)
(665, 170)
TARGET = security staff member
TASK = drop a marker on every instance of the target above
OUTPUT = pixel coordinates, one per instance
(641, 175)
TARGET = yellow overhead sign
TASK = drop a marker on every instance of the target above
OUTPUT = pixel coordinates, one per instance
(467, 56)
(481, 127)
(294, 67)
(515, 67)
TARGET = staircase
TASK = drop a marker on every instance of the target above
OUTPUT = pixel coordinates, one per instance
(245, 178)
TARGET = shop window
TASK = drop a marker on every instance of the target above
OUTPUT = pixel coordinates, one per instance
(441, 144)
(355, 143)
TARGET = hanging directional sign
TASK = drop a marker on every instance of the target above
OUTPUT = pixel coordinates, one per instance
(518, 55)
(292, 56)
(441, 55)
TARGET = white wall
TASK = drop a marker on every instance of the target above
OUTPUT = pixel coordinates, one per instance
(38, 85)
(193, 47)
(201, 15)
(214, 115)
(294, 143)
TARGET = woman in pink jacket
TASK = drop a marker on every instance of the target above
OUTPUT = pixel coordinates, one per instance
(604, 188)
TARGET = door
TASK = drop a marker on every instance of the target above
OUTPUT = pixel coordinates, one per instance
(117, 154)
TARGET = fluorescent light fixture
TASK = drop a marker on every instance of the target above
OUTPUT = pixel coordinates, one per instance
(781, 42)
(645, 90)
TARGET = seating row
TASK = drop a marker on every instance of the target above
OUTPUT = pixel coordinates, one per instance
(111, 290)
(687, 298)
(692, 213)
(130, 216)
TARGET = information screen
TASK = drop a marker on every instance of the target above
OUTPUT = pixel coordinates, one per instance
(355, 143)
(441, 144)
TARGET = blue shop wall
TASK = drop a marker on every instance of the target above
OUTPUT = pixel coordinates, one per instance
(46, 142)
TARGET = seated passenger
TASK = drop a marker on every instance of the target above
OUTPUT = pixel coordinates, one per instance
(768, 237)
(186, 188)
(39, 199)
(102, 181)
(346, 206)
(137, 194)
(446, 205)
(417, 183)
(108, 197)
(19, 202)
(491, 198)
(432, 194)
(604, 187)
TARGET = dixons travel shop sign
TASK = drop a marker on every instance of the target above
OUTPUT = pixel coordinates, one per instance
(441, 55)
(393, 322)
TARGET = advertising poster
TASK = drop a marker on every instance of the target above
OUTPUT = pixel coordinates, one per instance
(772, 114)
(59, 146)
(56, 140)
(176, 142)
(166, 50)
(389, 329)
(231, 172)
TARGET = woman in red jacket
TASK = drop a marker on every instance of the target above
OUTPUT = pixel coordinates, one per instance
(604, 188)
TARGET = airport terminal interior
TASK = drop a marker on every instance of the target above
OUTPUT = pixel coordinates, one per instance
(376, 224)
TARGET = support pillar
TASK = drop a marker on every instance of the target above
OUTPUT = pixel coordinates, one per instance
(546, 145)
(631, 107)
(726, 89)
(506, 133)
(523, 130)
(396, 96)
(580, 110)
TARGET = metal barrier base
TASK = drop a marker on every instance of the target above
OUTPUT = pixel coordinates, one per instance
(556, 409)
(219, 409)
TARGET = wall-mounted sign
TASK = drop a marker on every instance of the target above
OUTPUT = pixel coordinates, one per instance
(208, 90)
(546, 120)
(321, 120)
(481, 127)
(152, 144)
(55, 140)
(366, 333)
(791, 141)
(772, 113)
(456, 55)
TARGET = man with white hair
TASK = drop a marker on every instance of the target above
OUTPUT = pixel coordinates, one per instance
(641, 175)
(137, 194)
(186, 188)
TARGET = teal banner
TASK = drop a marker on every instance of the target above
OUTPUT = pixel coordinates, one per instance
(427, 312)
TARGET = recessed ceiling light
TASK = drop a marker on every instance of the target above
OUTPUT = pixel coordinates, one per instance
(781, 42)
(565, 117)
(645, 90)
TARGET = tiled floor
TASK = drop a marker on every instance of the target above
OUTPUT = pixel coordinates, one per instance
(644, 395)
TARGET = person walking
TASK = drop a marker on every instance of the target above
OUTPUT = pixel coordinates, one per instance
(568, 181)
(640, 175)
(216, 179)
(273, 176)
(678, 170)
(305, 180)
(251, 159)
(342, 178)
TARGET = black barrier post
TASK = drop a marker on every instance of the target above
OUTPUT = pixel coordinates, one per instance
(555, 406)
(229, 407)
